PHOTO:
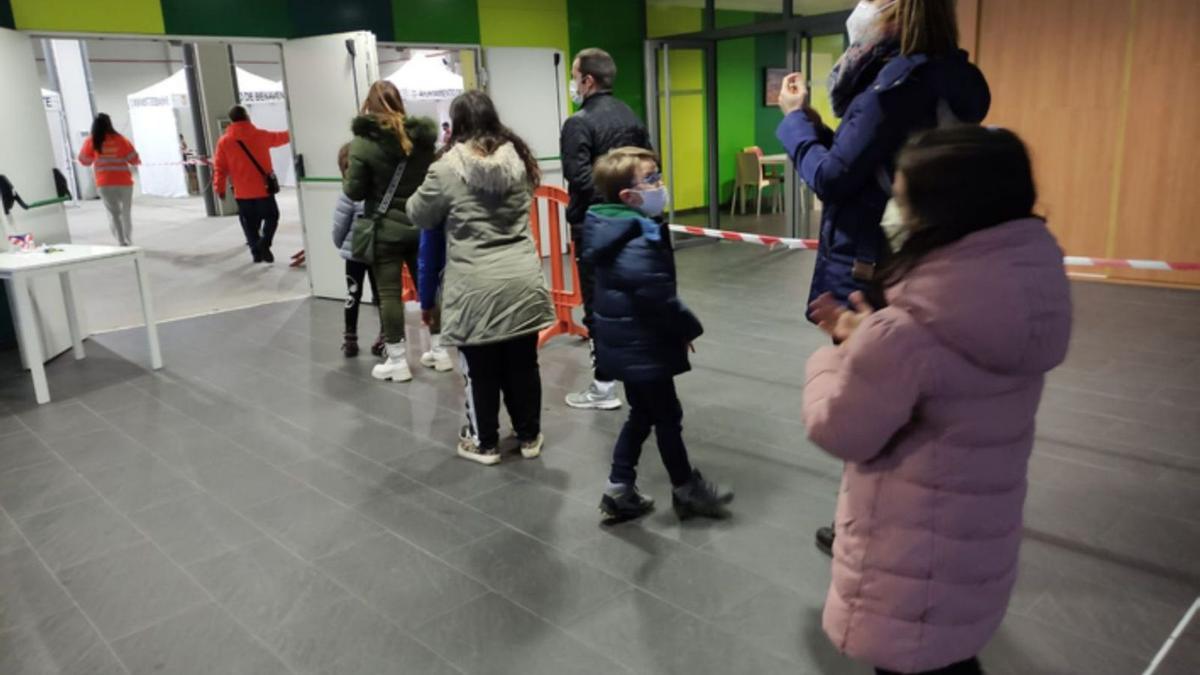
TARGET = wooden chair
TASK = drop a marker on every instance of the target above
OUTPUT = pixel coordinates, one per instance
(750, 174)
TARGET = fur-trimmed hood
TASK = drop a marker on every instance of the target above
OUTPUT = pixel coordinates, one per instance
(496, 173)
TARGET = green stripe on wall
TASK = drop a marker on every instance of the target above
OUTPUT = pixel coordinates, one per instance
(235, 18)
(617, 27)
(439, 21)
(127, 16)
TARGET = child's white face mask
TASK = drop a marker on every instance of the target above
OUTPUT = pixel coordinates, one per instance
(654, 202)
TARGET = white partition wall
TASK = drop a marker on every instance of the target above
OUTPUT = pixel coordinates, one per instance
(529, 89)
(27, 159)
(326, 77)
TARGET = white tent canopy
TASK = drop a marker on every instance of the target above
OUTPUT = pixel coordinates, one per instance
(425, 76)
(157, 113)
(427, 84)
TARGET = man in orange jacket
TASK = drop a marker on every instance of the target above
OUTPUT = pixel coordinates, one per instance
(244, 157)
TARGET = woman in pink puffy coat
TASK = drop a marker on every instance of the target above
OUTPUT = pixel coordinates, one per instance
(931, 402)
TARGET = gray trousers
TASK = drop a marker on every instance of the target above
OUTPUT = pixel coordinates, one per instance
(118, 201)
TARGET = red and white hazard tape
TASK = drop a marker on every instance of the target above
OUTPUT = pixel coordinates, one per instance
(1068, 261)
(760, 239)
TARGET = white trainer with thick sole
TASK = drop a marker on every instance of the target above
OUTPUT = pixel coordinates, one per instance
(438, 359)
(533, 449)
(395, 368)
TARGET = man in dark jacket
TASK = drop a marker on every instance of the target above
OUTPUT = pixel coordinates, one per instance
(642, 333)
(602, 124)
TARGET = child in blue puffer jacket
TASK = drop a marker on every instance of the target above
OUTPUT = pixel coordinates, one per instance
(642, 333)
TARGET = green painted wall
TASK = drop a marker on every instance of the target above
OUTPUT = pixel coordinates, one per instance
(441, 21)
(261, 18)
(770, 52)
(735, 107)
(618, 27)
(126, 16)
(321, 17)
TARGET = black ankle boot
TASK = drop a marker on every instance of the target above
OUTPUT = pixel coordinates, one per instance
(350, 344)
(699, 497)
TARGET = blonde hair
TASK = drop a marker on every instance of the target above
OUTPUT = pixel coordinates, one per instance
(617, 170)
(926, 26)
(385, 104)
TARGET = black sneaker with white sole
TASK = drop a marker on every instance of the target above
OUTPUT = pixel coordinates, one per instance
(624, 503)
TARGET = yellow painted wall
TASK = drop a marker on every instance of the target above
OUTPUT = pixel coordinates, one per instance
(524, 23)
(689, 156)
(94, 16)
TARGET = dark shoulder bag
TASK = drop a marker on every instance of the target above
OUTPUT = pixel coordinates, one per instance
(271, 180)
(362, 235)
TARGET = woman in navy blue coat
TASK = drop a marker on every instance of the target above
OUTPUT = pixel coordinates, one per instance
(902, 73)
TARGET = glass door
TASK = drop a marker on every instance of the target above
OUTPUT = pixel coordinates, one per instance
(820, 53)
(679, 102)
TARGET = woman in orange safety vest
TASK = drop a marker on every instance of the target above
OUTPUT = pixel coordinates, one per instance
(112, 157)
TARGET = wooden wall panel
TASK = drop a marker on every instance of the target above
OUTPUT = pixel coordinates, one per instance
(1055, 71)
(1159, 212)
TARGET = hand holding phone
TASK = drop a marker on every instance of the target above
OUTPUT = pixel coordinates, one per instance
(793, 95)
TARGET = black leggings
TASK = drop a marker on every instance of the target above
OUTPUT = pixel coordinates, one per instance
(968, 667)
(509, 368)
(355, 273)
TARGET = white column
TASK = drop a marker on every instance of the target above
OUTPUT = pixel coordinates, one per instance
(71, 73)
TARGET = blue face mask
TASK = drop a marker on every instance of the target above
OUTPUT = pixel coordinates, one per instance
(654, 202)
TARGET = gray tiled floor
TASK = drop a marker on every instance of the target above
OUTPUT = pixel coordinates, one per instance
(262, 506)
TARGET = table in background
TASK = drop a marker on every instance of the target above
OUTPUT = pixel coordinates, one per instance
(19, 268)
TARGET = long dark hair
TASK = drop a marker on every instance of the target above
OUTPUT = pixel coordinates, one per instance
(101, 128)
(473, 119)
(956, 181)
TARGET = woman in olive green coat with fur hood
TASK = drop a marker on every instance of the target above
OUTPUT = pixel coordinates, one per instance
(383, 136)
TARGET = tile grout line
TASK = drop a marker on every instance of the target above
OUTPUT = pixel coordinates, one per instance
(278, 542)
(1179, 628)
(46, 567)
(162, 552)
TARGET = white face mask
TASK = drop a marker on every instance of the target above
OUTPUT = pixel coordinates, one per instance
(862, 19)
(576, 97)
(654, 202)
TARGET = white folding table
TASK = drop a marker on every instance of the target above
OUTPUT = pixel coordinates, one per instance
(19, 268)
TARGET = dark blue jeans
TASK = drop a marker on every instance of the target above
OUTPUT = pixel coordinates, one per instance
(260, 219)
(651, 405)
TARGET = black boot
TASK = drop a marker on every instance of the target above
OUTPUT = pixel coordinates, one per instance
(256, 253)
(378, 346)
(699, 497)
(624, 503)
(350, 344)
(825, 540)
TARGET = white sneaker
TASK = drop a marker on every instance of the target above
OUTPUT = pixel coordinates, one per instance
(438, 359)
(533, 449)
(395, 368)
(596, 397)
